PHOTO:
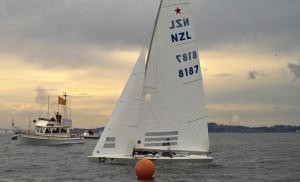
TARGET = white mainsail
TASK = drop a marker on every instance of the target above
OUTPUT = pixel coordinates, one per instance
(173, 108)
(162, 105)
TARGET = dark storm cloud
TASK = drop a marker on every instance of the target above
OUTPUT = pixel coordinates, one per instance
(61, 32)
(94, 22)
(275, 23)
(58, 34)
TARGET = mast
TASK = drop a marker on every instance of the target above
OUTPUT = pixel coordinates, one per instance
(29, 125)
(65, 95)
(58, 105)
(65, 106)
(70, 109)
(48, 108)
(12, 121)
(152, 36)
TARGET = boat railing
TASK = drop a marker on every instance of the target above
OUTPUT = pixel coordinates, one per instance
(75, 135)
(61, 135)
(66, 122)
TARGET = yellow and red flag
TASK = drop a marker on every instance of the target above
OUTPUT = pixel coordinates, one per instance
(62, 101)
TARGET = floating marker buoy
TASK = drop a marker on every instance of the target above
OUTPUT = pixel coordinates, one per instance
(144, 169)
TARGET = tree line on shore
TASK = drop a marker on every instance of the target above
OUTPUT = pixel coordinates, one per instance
(222, 128)
(218, 128)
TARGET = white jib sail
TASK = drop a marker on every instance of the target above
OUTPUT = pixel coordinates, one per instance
(173, 112)
(118, 137)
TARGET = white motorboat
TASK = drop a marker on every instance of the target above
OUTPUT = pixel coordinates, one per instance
(54, 131)
(91, 134)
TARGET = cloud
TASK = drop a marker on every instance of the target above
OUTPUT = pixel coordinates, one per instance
(295, 69)
(235, 120)
(252, 75)
(41, 97)
(104, 23)
(77, 34)
(263, 23)
(224, 75)
(90, 46)
(54, 28)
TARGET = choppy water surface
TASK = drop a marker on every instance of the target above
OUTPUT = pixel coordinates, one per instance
(238, 157)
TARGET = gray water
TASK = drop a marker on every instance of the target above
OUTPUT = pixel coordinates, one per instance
(238, 157)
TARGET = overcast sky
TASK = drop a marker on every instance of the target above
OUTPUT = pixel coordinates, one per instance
(249, 51)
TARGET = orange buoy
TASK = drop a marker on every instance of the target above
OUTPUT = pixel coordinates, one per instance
(144, 169)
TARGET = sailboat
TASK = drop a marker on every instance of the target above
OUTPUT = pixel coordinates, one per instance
(161, 114)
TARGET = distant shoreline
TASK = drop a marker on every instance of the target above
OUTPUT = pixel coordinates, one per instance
(221, 128)
(215, 128)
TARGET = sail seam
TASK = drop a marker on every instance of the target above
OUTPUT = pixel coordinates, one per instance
(179, 44)
(175, 4)
(197, 119)
(185, 83)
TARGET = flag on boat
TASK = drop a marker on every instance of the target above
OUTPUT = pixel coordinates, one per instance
(62, 101)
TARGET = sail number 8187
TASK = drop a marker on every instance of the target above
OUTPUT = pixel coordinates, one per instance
(186, 56)
(188, 71)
